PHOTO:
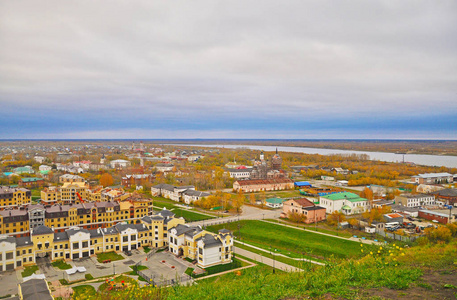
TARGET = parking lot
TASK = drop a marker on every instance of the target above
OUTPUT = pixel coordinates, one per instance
(8, 282)
(165, 271)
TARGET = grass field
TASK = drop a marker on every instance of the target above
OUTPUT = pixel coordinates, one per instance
(291, 240)
(60, 264)
(29, 271)
(113, 256)
(190, 216)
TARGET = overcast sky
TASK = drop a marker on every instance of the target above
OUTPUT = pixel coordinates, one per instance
(228, 69)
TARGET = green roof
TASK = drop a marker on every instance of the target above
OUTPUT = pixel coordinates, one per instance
(31, 179)
(346, 207)
(44, 172)
(275, 200)
(345, 196)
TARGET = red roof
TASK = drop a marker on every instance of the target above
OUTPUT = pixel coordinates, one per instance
(264, 181)
(241, 167)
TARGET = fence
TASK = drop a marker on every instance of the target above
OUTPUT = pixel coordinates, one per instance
(397, 236)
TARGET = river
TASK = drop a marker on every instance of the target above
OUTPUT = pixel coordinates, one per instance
(419, 159)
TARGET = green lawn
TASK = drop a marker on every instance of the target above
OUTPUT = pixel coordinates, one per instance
(163, 202)
(146, 249)
(236, 263)
(29, 271)
(130, 282)
(61, 265)
(190, 216)
(109, 255)
(291, 240)
(83, 292)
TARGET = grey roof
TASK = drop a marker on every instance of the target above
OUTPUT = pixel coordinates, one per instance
(35, 289)
(41, 229)
(60, 236)
(184, 229)
(224, 231)
(8, 239)
(209, 241)
(109, 230)
(446, 193)
(196, 193)
(140, 227)
(23, 241)
(123, 226)
(397, 207)
(95, 233)
(165, 213)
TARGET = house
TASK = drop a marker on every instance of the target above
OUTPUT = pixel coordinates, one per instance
(432, 178)
(442, 218)
(257, 185)
(449, 196)
(83, 164)
(274, 202)
(404, 210)
(340, 171)
(44, 168)
(119, 164)
(189, 196)
(31, 182)
(342, 183)
(14, 197)
(346, 202)
(206, 248)
(305, 207)
(70, 169)
(415, 200)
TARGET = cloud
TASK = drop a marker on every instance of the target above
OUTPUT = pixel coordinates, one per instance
(237, 66)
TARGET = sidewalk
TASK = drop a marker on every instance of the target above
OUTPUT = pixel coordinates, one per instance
(265, 260)
(279, 254)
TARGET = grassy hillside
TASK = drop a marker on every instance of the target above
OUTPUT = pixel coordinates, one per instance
(417, 273)
(291, 240)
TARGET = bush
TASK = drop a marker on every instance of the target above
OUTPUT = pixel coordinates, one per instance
(89, 277)
(63, 282)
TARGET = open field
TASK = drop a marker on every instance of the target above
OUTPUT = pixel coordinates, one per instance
(190, 216)
(291, 240)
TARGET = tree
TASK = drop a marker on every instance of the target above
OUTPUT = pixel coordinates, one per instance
(353, 222)
(239, 201)
(335, 218)
(367, 193)
(252, 199)
(296, 217)
(106, 179)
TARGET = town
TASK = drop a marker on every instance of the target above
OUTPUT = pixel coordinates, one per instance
(82, 218)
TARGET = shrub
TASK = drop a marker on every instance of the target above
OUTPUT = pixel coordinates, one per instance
(89, 277)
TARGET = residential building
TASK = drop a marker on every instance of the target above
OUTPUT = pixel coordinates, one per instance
(169, 191)
(393, 217)
(44, 168)
(14, 197)
(415, 200)
(90, 215)
(404, 210)
(164, 167)
(257, 185)
(39, 159)
(83, 164)
(274, 202)
(340, 171)
(36, 214)
(119, 164)
(303, 206)
(433, 178)
(240, 173)
(23, 170)
(206, 248)
(189, 196)
(346, 202)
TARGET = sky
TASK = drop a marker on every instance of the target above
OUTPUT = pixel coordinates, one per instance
(228, 69)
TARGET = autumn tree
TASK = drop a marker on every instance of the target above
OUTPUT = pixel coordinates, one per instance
(296, 217)
(367, 194)
(353, 222)
(252, 199)
(335, 218)
(106, 180)
(239, 201)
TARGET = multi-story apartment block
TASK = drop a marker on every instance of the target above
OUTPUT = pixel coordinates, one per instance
(415, 200)
(169, 191)
(77, 242)
(206, 248)
(71, 178)
(90, 215)
(14, 197)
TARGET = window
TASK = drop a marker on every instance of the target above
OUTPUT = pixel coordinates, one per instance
(9, 255)
(85, 244)
(125, 239)
(200, 251)
(133, 237)
(75, 245)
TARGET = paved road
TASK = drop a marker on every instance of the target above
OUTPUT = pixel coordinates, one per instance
(268, 261)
